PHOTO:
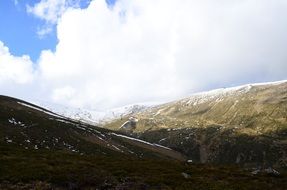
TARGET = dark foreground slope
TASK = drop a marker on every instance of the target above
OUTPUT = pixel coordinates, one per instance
(41, 150)
(31, 127)
(28, 169)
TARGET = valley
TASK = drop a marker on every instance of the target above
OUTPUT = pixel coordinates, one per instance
(224, 139)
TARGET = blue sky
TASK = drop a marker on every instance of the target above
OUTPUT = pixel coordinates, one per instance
(157, 51)
(18, 29)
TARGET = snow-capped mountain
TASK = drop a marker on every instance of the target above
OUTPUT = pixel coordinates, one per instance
(218, 94)
(92, 116)
(101, 117)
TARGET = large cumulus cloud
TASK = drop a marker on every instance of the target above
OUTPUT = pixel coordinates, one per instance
(143, 51)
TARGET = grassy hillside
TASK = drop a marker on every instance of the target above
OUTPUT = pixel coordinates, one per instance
(43, 169)
(246, 125)
(42, 150)
(31, 127)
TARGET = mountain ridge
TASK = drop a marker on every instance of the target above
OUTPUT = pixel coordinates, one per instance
(245, 125)
(179, 147)
(101, 117)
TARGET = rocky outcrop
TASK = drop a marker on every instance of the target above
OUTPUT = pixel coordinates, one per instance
(129, 125)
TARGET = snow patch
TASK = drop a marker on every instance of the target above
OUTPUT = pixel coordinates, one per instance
(17, 123)
(39, 109)
(218, 95)
(116, 147)
(138, 140)
(91, 116)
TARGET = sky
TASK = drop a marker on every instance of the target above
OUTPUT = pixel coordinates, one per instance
(101, 54)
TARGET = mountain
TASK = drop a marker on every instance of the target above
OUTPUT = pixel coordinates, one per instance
(40, 149)
(93, 117)
(245, 125)
(32, 127)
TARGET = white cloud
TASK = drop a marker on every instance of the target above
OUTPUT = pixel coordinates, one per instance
(64, 93)
(44, 30)
(13, 69)
(149, 50)
(18, 77)
(158, 50)
(16, 2)
(50, 11)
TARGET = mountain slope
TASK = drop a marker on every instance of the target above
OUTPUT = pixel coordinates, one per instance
(31, 127)
(42, 150)
(90, 116)
(245, 125)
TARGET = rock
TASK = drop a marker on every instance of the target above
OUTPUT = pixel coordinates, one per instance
(189, 161)
(272, 171)
(269, 171)
(255, 172)
(185, 175)
(130, 124)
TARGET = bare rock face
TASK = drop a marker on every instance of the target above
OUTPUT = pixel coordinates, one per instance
(130, 125)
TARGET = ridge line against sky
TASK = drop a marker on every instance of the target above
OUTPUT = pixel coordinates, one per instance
(103, 54)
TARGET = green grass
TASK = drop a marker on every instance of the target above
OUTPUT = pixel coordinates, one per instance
(59, 169)
(252, 124)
